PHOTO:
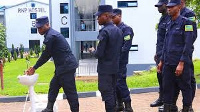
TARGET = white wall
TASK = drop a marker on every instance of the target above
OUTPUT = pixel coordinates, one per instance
(196, 53)
(57, 17)
(143, 20)
(18, 24)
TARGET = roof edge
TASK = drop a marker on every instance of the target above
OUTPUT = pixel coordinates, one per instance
(26, 2)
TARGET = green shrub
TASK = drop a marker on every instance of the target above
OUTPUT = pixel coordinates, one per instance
(15, 55)
(21, 54)
(31, 52)
(9, 57)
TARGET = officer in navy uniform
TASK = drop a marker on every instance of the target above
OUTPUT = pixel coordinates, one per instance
(191, 16)
(108, 53)
(122, 92)
(175, 60)
(65, 65)
(161, 5)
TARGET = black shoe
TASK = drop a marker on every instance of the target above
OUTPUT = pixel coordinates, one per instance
(119, 106)
(47, 110)
(187, 109)
(49, 107)
(157, 103)
(128, 107)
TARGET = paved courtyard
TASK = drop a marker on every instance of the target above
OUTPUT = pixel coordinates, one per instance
(140, 103)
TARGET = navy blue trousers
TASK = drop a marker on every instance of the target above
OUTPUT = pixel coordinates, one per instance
(193, 85)
(67, 82)
(160, 79)
(171, 83)
(107, 85)
(122, 91)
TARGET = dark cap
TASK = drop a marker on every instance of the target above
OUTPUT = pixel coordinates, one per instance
(41, 21)
(103, 9)
(173, 3)
(161, 2)
(117, 11)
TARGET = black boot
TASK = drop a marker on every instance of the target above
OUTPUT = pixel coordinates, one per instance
(49, 107)
(119, 106)
(167, 108)
(174, 108)
(128, 107)
(187, 109)
(158, 102)
(170, 108)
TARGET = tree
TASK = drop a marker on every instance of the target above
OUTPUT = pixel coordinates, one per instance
(195, 5)
(2, 41)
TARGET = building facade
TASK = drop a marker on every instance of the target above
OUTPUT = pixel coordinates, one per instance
(20, 24)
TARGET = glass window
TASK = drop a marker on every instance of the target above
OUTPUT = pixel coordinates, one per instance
(33, 15)
(64, 8)
(33, 30)
(32, 4)
(123, 4)
(65, 32)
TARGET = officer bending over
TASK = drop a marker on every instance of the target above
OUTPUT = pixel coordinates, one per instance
(122, 92)
(108, 52)
(65, 65)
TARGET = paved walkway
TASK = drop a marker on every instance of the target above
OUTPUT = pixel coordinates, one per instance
(140, 103)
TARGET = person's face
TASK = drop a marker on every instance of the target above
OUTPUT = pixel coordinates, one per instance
(102, 19)
(182, 2)
(162, 8)
(116, 19)
(172, 11)
(42, 30)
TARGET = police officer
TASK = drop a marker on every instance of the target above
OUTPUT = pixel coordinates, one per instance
(65, 65)
(175, 58)
(161, 5)
(108, 52)
(123, 94)
(192, 17)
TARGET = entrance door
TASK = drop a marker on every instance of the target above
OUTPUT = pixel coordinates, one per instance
(33, 43)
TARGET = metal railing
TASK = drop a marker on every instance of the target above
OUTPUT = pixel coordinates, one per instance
(87, 69)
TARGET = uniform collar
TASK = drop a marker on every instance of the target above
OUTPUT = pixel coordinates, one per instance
(122, 23)
(182, 10)
(46, 33)
(107, 24)
(178, 19)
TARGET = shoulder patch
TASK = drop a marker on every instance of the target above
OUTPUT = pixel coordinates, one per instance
(188, 28)
(128, 37)
(193, 19)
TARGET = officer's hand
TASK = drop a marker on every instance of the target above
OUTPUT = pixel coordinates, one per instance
(92, 49)
(30, 71)
(159, 67)
(179, 69)
(155, 58)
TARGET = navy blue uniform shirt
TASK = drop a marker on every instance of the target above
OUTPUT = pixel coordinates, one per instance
(192, 17)
(127, 42)
(108, 50)
(161, 34)
(178, 41)
(58, 48)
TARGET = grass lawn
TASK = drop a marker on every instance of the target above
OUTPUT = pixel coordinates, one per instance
(13, 88)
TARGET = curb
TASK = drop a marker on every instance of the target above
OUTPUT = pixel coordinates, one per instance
(132, 91)
(84, 94)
